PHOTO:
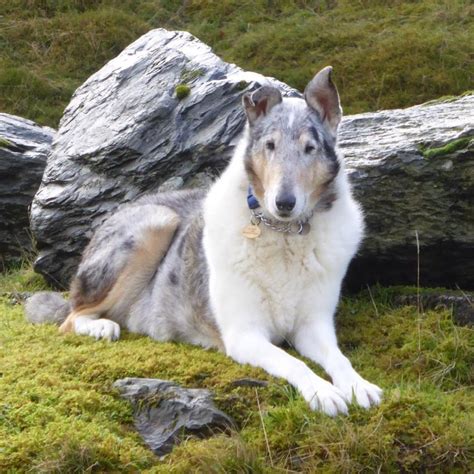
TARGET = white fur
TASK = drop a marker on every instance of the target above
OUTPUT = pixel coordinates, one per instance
(284, 287)
(98, 328)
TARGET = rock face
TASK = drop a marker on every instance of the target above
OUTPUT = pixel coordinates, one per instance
(24, 146)
(129, 130)
(126, 131)
(165, 413)
(413, 172)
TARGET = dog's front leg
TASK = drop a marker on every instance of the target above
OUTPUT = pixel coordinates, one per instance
(316, 339)
(253, 347)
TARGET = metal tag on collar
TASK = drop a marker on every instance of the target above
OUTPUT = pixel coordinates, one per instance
(252, 231)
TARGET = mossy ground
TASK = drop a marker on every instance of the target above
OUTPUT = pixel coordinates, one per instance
(385, 53)
(59, 413)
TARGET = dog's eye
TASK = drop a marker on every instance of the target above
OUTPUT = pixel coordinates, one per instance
(270, 145)
(308, 149)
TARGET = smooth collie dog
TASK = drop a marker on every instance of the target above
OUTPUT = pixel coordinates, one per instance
(257, 260)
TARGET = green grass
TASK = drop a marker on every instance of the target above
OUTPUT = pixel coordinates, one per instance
(386, 54)
(59, 413)
(21, 279)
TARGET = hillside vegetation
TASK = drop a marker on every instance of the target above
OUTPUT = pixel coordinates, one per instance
(386, 54)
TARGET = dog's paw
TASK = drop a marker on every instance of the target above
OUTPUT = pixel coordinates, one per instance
(326, 398)
(355, 388)
(98, 328)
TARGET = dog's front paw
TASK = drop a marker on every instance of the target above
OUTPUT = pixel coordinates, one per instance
(366, 394)
(98, 328)
(325, 397)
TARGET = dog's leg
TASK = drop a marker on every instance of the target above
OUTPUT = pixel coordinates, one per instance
(316, 339)
(90, 325)
(253, 348)
(152, 240)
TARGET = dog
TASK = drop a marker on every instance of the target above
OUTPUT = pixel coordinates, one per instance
(257, 260)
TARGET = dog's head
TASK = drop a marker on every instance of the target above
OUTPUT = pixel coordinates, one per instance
(290, 158)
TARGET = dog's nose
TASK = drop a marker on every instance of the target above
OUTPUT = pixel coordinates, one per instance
(285, 202)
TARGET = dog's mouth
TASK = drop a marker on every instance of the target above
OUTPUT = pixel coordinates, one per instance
(296, 214)
(284, 216)
(288, 217)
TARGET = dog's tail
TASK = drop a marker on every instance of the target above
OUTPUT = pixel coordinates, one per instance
(47, 307)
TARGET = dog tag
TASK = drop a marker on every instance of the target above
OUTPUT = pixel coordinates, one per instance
(251, 231)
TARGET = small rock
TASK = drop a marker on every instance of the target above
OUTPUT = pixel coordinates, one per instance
(165, 413)
(462, 306)
(248, 382)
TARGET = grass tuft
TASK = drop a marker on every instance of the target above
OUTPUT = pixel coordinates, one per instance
(21, 279)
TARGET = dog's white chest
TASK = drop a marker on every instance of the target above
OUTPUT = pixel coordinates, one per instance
(280, 270)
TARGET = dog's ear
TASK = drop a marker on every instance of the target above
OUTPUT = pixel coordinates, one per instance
(260, 102)
(321, 95)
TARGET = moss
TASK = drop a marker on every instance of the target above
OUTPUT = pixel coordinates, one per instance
(4, 143)
(188, 75)
(241, 85)
(59, 412)
(446, 149)
(182, 91)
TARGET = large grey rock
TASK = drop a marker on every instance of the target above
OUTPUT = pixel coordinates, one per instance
(165, 413)
(24, 146)
(413, 172)
(126, 132)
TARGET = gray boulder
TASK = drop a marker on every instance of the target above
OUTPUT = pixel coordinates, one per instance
(165, 413)
(129, 130)
(24, 146)
(413, 172)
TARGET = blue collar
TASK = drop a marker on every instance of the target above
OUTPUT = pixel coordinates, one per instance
(251, 199)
